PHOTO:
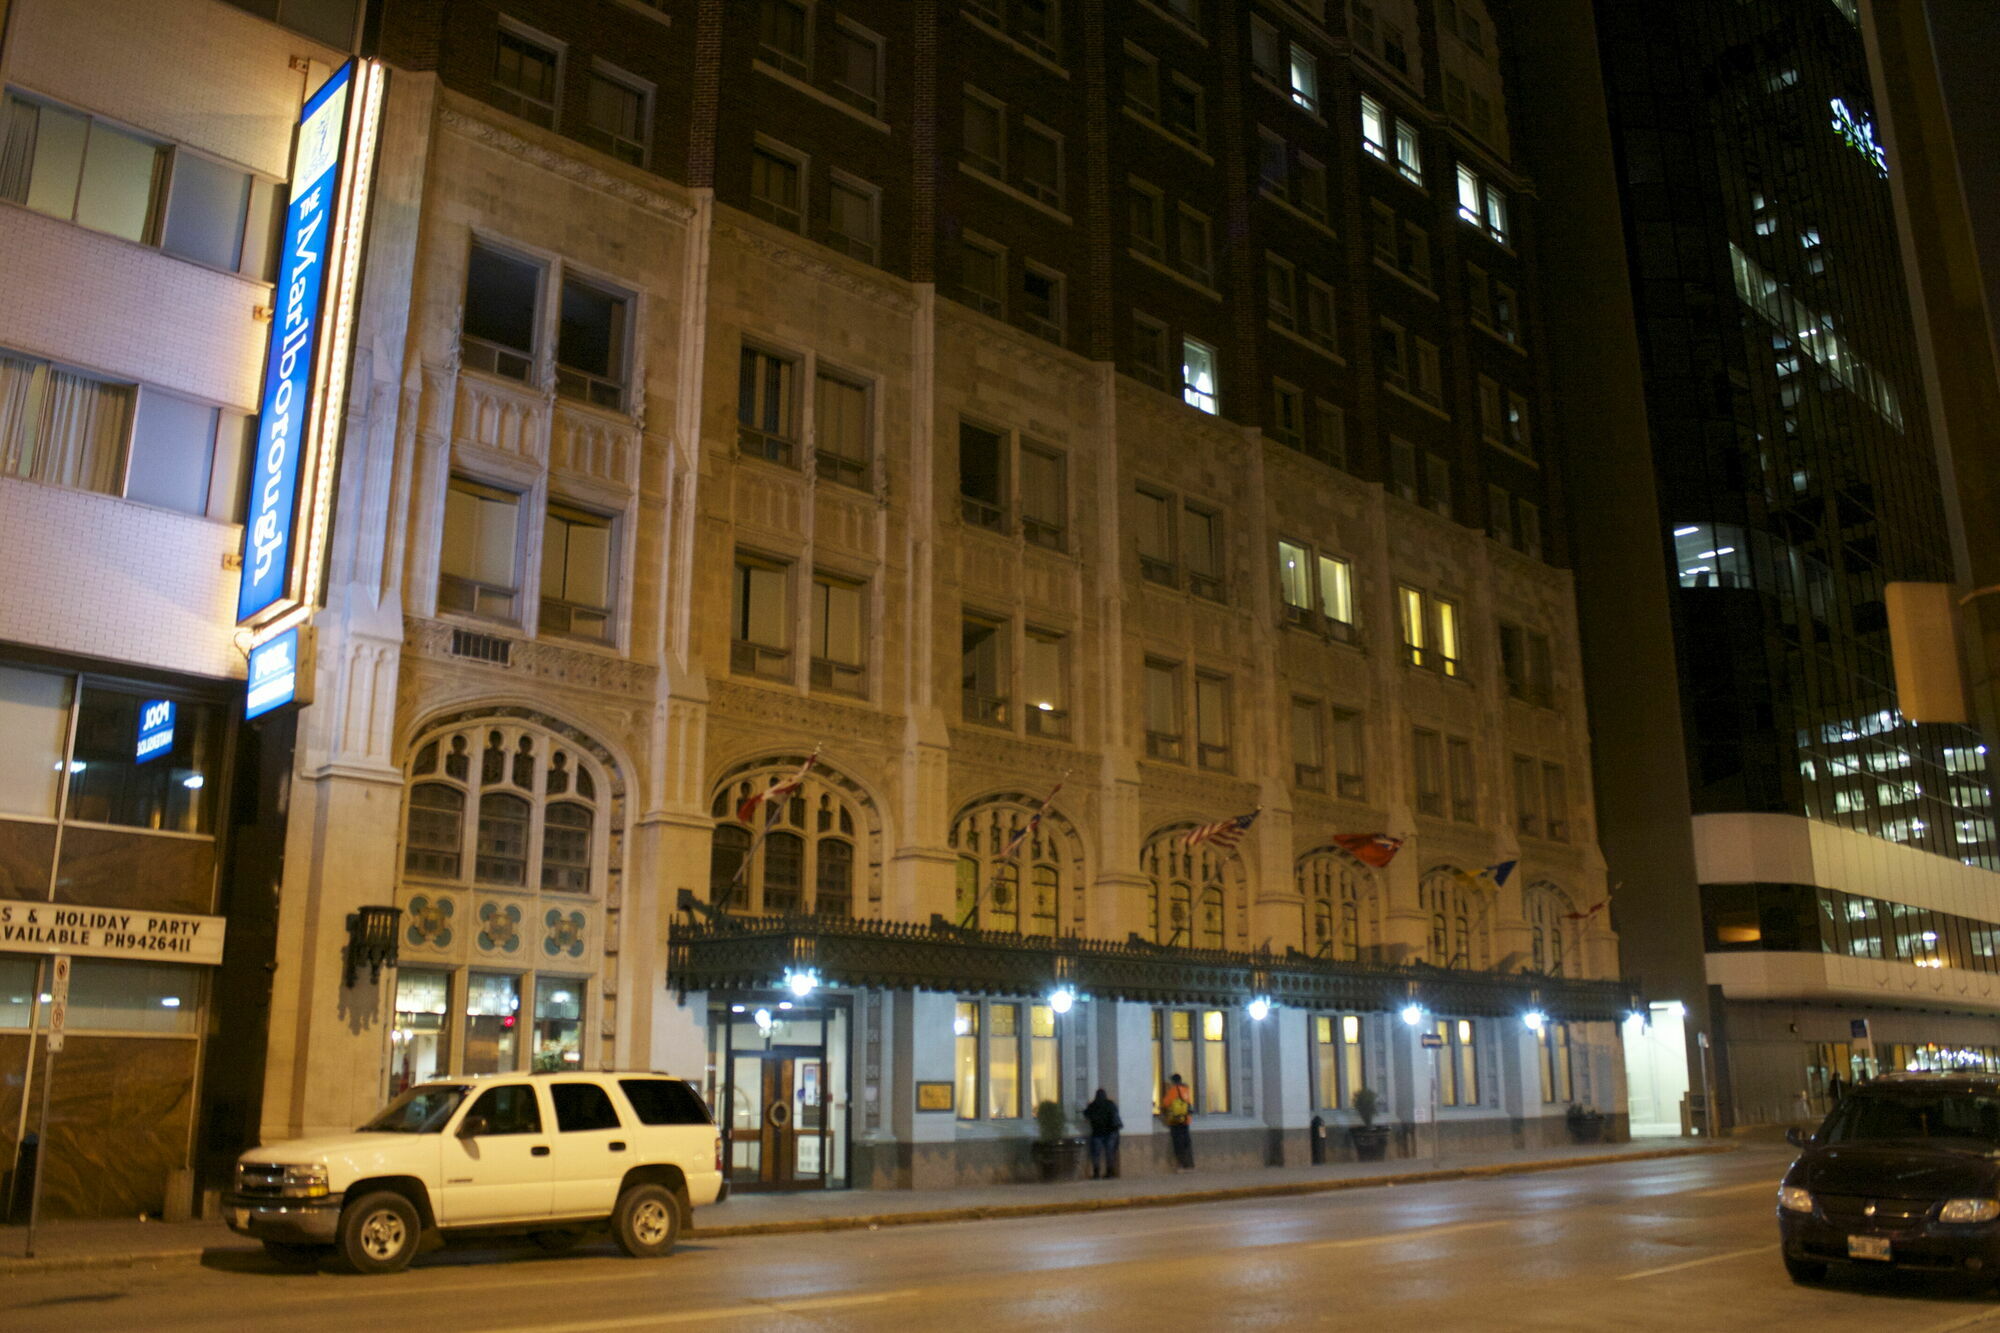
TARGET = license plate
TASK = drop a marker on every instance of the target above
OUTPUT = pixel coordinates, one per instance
(239, 1217)
(1868, 1247)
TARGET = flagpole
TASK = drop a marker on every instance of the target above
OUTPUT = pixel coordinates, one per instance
(1010, 855)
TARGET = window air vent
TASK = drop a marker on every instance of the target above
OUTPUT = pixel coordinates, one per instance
(482, 647)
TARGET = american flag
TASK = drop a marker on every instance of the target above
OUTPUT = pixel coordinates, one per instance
(775, 790)
(1224, 833)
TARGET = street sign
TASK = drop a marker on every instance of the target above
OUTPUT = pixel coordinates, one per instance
(1432, 1041)
(58, 1003)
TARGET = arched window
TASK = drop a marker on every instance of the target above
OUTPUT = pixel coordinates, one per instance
(1552, 932)
(437, 830)
(806, 862)
(1460, 919)
(1339, 898)
(1193, 891)
(833, 887)
(537, 806)
(1017, 873)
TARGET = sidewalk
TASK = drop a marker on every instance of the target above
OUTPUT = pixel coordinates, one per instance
(117, 1243)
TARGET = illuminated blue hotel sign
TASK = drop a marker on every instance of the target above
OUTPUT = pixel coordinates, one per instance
(275, 672)
(156, 730)
(285, 430)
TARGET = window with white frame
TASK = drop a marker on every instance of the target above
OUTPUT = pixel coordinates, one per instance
(1044, 498)
(1153, 527)
(784, 35)
(1140, 82)
(1309, 186)
(592, 334)
(1212, 721)
(479, 570)
(1281, 291)
(1492, 415)
(1409, 152)
(1193, 1043)
(1500, 514)
(1457, 1062)
(1482, 204)
(1308, 745)
(1145, 218)
(778, 184)
(527, 73)
(993, 1047)
(1322, 319)
(1149, 350)
(1316, 588)
(1041, 162)
(1184, 110)
(1198, 378)
(1403, 468)
(1414, 254)
(767, 408)
(982, 275)
(853, 224)
(1392, 353)
(1437, 484)
(578, 552)
(1338, 1059)
(502, 304)
(1166, 729)
(856, 73)
(1288, 411)
(1041, 304)
(1045, 684)
(986, 132)
(1520, 436)
(1524, 661)
(618, 114)
(1303, 68)
(1328, 440)
(843, 429)
(85, 169)
(1274, 167)
(839, 634)
(1427, 379)
(760, 617)
(1375, 128)
(1201, 551)
(985, 670)
(1196, 246)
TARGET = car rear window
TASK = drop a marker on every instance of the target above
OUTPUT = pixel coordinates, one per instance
(581, 1106)
(664, 1101)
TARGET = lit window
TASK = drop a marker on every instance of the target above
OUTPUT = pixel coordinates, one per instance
(1198, 386)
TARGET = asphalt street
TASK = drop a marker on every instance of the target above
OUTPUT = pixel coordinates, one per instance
(1679, 1244)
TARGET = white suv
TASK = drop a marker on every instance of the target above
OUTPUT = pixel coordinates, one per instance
(551, 1155)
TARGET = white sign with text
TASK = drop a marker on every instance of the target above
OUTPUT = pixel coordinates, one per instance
(109, 932)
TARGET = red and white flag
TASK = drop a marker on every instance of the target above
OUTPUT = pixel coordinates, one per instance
(748, 808)
(1224, 833)
(1021, 834)
(1371, 849)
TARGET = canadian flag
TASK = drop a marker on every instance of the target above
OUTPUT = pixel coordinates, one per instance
(748, 808)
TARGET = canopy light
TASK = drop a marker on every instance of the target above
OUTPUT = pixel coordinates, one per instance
(1062, 999)
(1534, 1020)
(1259, 1009)
(1413, 1014)
(801, 983)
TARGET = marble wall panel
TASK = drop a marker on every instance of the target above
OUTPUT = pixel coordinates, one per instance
(26, 851)
(119, 1111)
(116, 868)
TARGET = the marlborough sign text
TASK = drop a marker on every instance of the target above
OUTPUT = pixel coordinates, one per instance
(109, 932)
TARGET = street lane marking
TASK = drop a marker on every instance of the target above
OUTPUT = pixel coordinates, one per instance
(1696, 1263)
(1416, 1233)
(716, 1312)
(1732, 1189)
(1968, 1322)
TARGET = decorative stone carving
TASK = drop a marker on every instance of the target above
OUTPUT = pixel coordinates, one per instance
(481, 131)
(575, 667)
(880, 291)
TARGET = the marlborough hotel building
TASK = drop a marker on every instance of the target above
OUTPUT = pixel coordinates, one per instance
(1139, 399)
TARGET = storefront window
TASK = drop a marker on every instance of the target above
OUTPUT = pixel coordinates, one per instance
(421, 1047)
(1214, 1061)
(965, 1031)
(1458, 1062)
(17, 991)
(558, 1024)
(168, 791)
(492, 1014)
(106, 995)
(1045, 1068)
(1558, 1085)
(1004, 1063)
(34, 717)
(1337, 1055)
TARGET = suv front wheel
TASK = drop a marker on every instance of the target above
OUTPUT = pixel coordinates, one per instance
(379, 1233)
(647, 1221)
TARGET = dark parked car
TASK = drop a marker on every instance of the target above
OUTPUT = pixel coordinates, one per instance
(1905, 1173)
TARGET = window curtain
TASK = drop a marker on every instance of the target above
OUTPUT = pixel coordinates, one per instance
(17, 148)
(82, 439)
(17, 414)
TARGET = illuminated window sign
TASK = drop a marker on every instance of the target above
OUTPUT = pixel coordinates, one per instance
(1859, 131)
(305, 369)
(156, 729)
(275, 667)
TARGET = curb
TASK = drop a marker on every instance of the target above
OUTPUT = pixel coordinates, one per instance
(979, 1213)
(1001, 1212)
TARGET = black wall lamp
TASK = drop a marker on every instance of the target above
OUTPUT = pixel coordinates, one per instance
(371, 940)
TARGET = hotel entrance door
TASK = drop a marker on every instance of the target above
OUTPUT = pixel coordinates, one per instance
(783, 1081)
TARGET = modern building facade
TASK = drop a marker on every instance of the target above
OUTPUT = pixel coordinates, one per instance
(1845, 856)
(143, 150)
(1042, 432)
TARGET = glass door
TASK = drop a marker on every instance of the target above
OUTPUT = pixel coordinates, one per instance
(782, 1094)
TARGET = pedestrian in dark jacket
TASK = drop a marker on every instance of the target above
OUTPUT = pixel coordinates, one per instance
(1105, 1122)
